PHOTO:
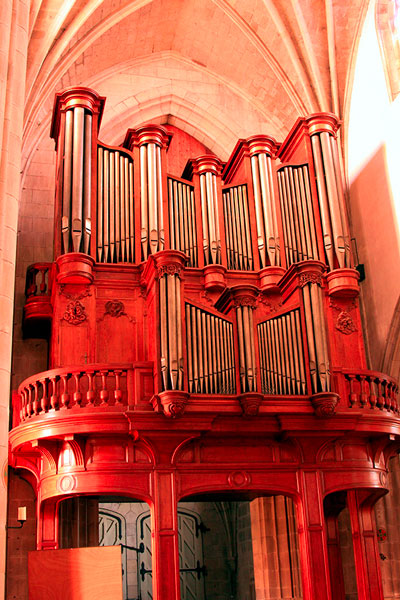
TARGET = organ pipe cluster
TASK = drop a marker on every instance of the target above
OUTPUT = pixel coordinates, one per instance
(115, 206)
(182, 219)
(210, 218)
(297, 214)
(266, 219)
(151, 198)
(316, 333)
(237, 228)
(247, 355)
(210, 351)
(76, 177)
(282, 355)
(171, 328)
(331, 200)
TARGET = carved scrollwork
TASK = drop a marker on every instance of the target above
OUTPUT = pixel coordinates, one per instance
(273, 304)
(171, 402)
(75, 313)
(324, 404)
(345, 323)
(250, 404)
(310, 278)
(169, 270)
(116, 309)
(245, 301)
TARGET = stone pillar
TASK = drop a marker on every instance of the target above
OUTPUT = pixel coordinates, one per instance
(275, 555)
(368, 573)
(387, 512)
(166, 582)
(14, 18)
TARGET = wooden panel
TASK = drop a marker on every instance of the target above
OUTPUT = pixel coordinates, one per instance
(75, 574)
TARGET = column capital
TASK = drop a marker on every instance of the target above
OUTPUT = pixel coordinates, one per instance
(322, 122)
(208, 163)
(262, 144)
(147, 134)
(238, 295)
(76, 97)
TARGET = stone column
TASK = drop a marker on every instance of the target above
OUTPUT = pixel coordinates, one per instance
(275, 550)
(14, 18)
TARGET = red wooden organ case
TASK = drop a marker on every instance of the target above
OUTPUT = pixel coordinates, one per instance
(205, 337)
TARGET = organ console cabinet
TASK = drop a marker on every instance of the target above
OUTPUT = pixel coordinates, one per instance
(205, 336)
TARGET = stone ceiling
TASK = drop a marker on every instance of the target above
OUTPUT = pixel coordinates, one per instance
(218, 69)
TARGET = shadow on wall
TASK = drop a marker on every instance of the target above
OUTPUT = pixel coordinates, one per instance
(374, 221)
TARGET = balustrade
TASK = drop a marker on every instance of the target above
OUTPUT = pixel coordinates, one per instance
(367, 389)
(93, 386)
(37, 280)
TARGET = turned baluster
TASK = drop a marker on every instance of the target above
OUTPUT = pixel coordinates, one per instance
(43, 286)
(352, 395)
(77, 393)
(45, 398)
(379, 400)
(31, 287)
(90, 394)
(29, 404)
(104, 391)
(393, 403)
(118, 392)
(54, 397)
(363, 395)
(386, 395)
(36, 403)
(64, 394)
(372, 396)
(24, 412)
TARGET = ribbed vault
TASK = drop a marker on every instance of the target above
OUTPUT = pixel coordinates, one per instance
(222, 69)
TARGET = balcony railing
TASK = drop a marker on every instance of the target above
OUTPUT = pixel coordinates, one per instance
(366, 390)
(96, 386)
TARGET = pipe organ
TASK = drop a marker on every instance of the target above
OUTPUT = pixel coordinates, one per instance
(271, 219)
(204, 329)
